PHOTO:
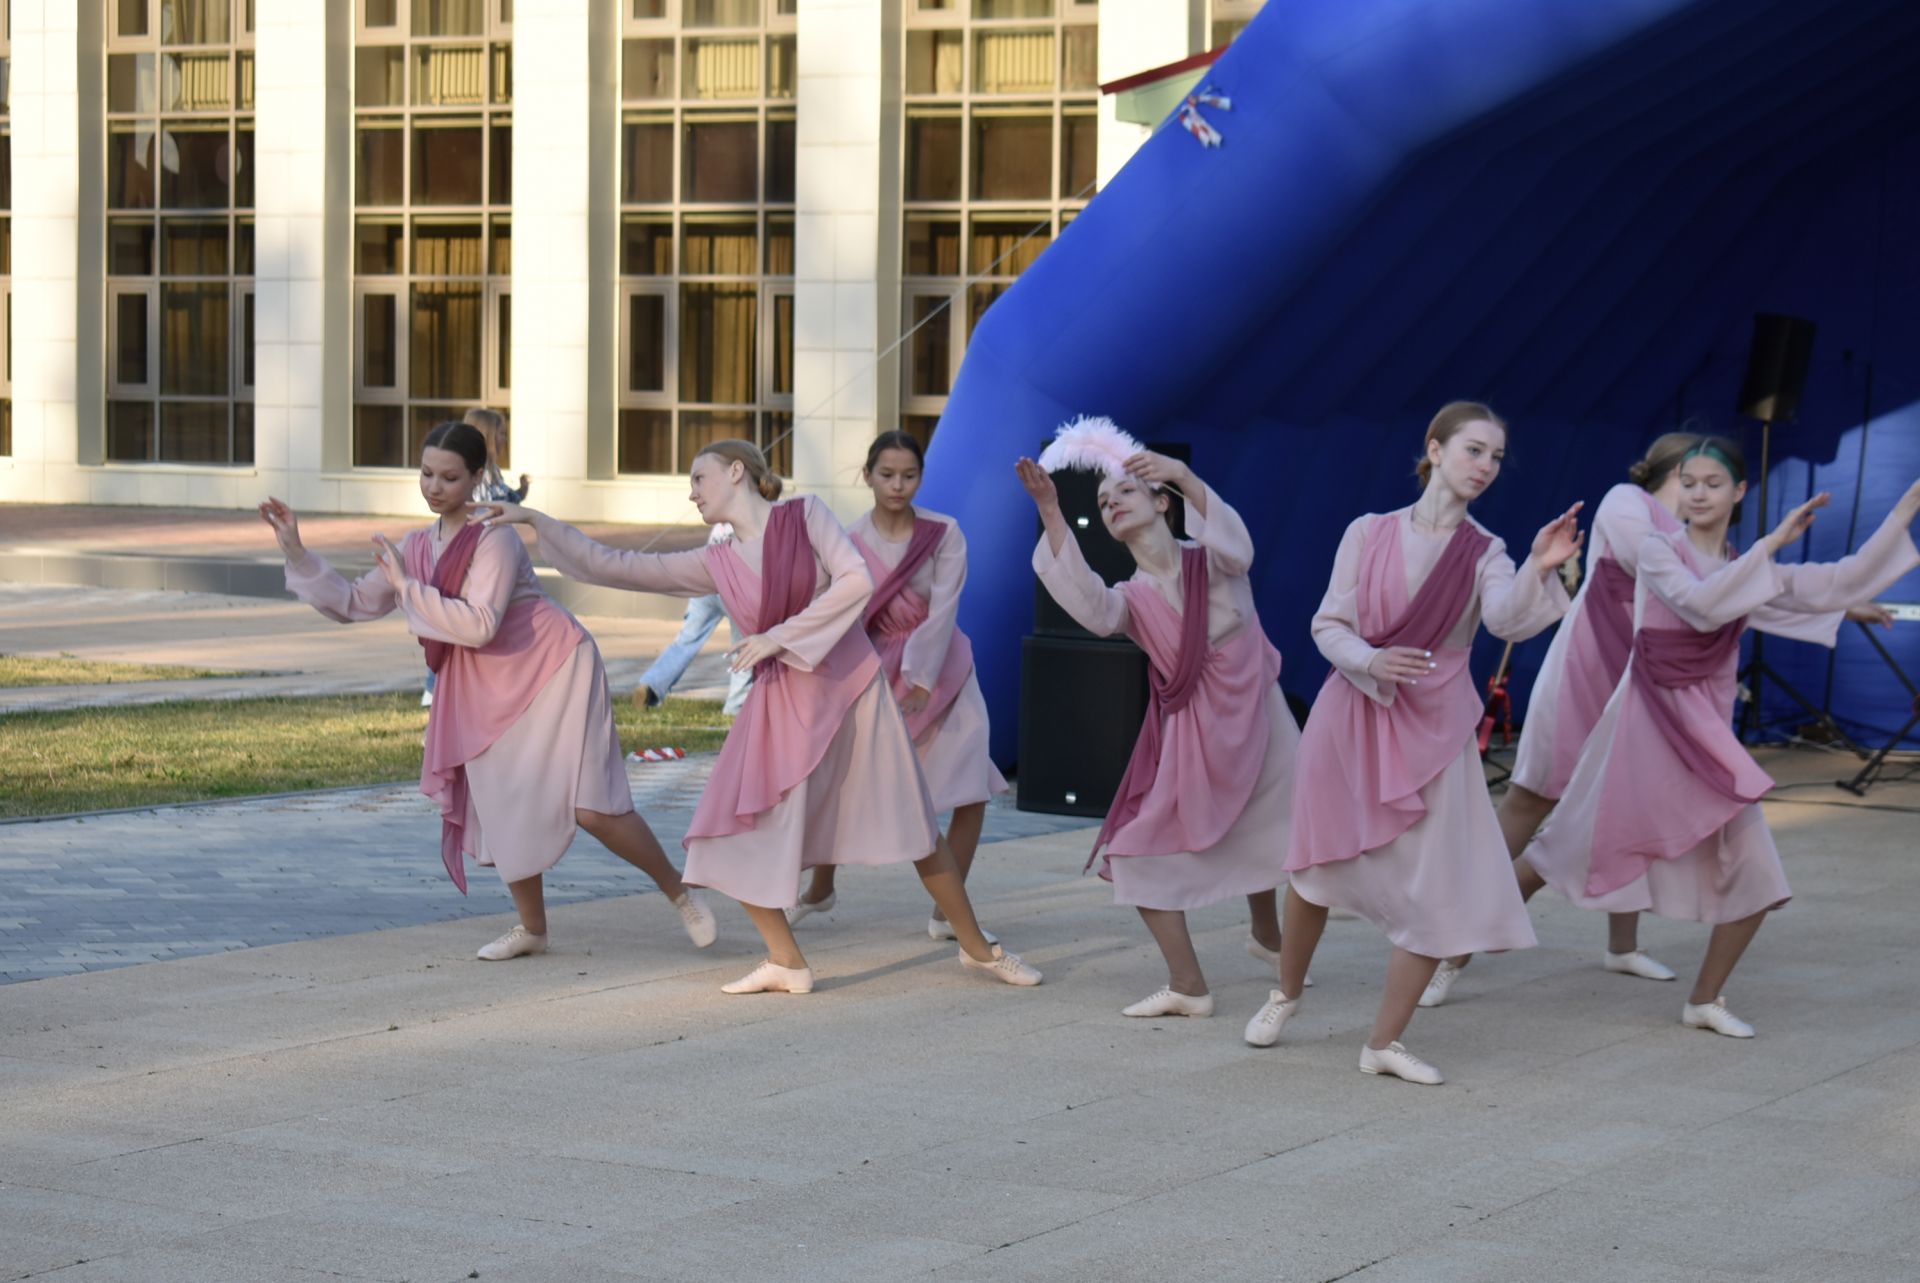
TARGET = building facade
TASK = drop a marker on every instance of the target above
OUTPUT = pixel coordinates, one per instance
(262, 246)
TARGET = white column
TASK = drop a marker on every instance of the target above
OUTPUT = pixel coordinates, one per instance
(845, 278)
(1136, 36)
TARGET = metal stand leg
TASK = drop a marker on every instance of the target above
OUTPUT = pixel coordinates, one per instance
(1870, 773)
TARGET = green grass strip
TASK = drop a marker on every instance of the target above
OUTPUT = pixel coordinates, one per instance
(66, 670)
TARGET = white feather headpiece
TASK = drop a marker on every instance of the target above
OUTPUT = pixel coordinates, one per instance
(1090, 443)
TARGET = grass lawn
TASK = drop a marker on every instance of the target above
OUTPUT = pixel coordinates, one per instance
(96, 758)
(65, 670)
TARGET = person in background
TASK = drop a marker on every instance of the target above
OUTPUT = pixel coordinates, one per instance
(702, 616)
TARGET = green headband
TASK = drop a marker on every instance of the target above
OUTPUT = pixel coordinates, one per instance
(1719, 456)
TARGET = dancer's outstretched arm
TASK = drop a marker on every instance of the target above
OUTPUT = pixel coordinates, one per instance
(573, 554)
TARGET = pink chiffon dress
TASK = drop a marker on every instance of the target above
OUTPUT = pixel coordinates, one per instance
(919, 644)
(557, 750)
(1662, 812)
(819, 767)
(1391, 818)
(1210, 822)
(1590, 648)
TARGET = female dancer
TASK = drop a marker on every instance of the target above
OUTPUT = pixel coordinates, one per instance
(1391, 818)
(520, 745)
(918, 560)
(818, 768)
(1583, 665)
(1201, 811)
(1660, 814)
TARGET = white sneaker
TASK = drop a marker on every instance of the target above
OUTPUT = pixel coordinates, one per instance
(941, 929)
(805, 907)
(769, 977)
(1715, 1016)
(1168, 1003)
(1396, 1061)
(517, 943)
(1005, 967)
(1639, 964)
(1437, 988)
(1272, 958)
(1264, 1029)
(702, 928)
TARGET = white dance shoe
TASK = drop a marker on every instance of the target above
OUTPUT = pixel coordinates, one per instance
(1715, 1016)
(1008, 968)
(769, 977)
(1396, 1061)
(1168, 1003)
(1272, 958)
(805, 907)
(1442, 983)
(702, 927)
(941, 929)
(1638, 963)
(517, 943)
(1264, 1029)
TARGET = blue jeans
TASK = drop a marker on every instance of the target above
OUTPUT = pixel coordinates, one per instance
(703, 616)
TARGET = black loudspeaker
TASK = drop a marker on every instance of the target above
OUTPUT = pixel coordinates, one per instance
(1776, 367)
(1107, 556)
(1082, 700)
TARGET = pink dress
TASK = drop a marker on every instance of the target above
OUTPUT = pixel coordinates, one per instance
(1443, 884)
(1590, 648)
(1661, 814)
(1213, 822)
(920, 645)
(560, 755)
(820, 760)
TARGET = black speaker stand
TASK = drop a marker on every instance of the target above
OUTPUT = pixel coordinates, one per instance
(1869, 774)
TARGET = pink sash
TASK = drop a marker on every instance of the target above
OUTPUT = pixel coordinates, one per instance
(924, 542)
(791, 715)
(900, 614)
(480, 691)
(1608, 614)
(1362, 764)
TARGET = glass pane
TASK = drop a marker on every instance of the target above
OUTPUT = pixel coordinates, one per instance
(382, 13)
(701, 428)
(130, 17)
(379, 76)
(379, 341)
(246, 339)
(449, 17)
(1079, 150)
(379, 437)
(243, 71)
(193, 247)
(782, 69)
(129, 166)
(1012, 157)
(646, 70)
(1225, 31)
(646, 343)
(716, 248)
(500, 162)
(6, 426)
(721, 160)
(782, 136)
(930, 350)
(243, 432)
(376, 247)
(380, 163)
(979, 299)
(130, 431)
(442, 248)
(646, 441)
(933, 158)
(1012, 8)
(423, 419)
(779, 245)
(130, 339)
(646, 162)
(644, 9)
(500, 253)
(933, 62)
(780, 377)
(243, 247)
(646, 247)
(1013, 62)
(503, 73)
(723, 68)
(446, 161)
(195, 339)
(195, 22)
(130, 247)
(1080, 58)
(130, 82)
(720, 13)
(453, 76)
(195, 82)
(920, 426)
(718, 326)
(1003, 246)
(776, 438)
(194, 432)
(933, 247)
(503, 343)
(444, 354)
(197, 159)
(243, 165)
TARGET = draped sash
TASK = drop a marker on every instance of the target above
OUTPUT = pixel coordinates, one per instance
(896, 612)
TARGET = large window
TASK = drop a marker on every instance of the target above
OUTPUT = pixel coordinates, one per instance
(6, 230)
(1228, 18)
(706, 228)
(997, 157)
(432, 233)
(179, 231)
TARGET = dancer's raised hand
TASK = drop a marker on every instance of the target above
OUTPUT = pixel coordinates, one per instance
(1796, 523)
(286, 528)
(500, 514)
(1871, 612)
(1039, 484)
(391, 563)
(1159, 470)
(1559, 540)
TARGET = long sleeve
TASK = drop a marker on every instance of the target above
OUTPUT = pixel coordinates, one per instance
(926, 649)
(472, 618)
(325, 589)
(809, 635)
(1735, 590)
(1621, 524)
(1070, 581)
(1516, 604)
(673, 574)
(1336, 625)
(1222, 533)
(1814, 603)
